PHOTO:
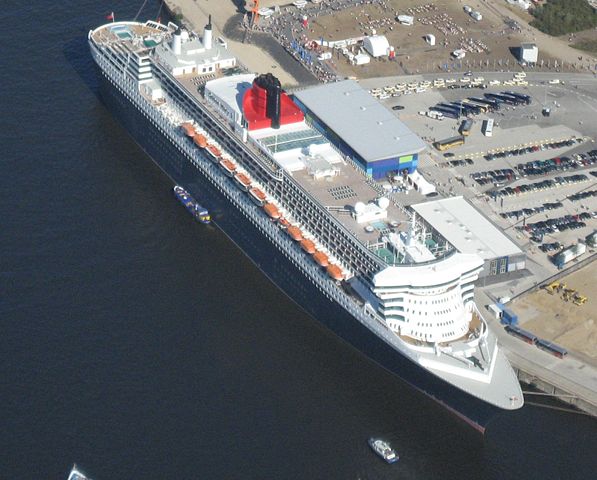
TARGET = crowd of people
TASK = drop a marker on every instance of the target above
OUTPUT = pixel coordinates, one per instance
(290, 31)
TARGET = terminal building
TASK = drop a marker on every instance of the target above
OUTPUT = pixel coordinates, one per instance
(468, 231)
(361, 128)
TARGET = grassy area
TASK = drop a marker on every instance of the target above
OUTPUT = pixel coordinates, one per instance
(586, 46)
(559, 17)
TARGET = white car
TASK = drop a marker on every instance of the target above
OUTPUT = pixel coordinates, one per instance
(554, 81)
(495, 82)
(265, 12)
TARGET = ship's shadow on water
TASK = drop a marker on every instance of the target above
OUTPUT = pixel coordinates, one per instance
(76, 52)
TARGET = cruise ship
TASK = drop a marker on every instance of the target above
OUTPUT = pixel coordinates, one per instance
(318, 225)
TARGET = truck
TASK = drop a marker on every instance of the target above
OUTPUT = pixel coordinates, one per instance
(495, 310)
(405, 19)
(509, 317)
(569, 254)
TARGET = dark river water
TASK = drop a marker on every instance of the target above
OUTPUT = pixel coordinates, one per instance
(143, 345)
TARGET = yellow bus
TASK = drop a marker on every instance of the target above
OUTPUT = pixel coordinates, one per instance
(451, 142)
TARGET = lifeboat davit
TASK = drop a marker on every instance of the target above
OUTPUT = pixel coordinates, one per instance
(295, 233)
(335, 272)
(272, 211)
(243, 181)
(284, 223)
(214, 152)
(189, 130)
(200, 140)
(308, 246)
(228, 167)
(321, 258)
(257, 196)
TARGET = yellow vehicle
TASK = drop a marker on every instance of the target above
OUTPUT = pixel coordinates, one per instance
(552, 287)
(569, 294)
(579, 299)
(442, 145)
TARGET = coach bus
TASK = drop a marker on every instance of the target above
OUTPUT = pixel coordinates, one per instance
(487, 128)
(466, 127)
(451, 142)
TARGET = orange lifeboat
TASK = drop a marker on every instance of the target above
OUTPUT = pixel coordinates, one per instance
(257, 196)
(295, 233)
(321, 258)
(335, 272)
(228, 166)
(189, 130)
(214, 152)
(200, 140)
(243, 181)
(272, 211)
(308, 246)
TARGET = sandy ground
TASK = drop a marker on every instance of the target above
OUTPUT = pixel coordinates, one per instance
(253, 57)
(567, 324)
(414, 55)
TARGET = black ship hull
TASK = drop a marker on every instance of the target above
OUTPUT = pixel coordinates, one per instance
(282, 272)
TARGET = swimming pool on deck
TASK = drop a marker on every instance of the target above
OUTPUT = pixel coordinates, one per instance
(123, 32)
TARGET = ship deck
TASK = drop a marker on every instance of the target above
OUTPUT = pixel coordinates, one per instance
(337, 194)
(133, 36)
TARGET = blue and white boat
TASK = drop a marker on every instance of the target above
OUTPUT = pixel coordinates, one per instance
(199, 212)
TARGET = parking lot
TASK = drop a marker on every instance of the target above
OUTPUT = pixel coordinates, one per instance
(532, 169)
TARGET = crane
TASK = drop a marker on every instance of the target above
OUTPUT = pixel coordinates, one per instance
(255, 12)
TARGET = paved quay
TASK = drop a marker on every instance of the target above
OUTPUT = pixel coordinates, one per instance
(572, 380)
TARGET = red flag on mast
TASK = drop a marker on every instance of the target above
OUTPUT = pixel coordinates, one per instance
(110, 17)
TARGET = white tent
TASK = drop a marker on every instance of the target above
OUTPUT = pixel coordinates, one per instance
(361, 59)
(430, 39)
(377, 45)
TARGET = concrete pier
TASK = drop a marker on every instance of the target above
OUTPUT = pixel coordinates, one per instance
(571, 379)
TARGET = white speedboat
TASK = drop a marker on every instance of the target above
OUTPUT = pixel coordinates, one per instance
(383, 449)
